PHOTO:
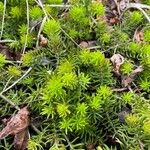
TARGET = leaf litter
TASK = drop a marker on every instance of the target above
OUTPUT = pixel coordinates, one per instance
(17, 126)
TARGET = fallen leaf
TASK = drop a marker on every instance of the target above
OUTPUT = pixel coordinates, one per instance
(43, 41)
(123, 5)
(127, 80)
(90, 147)
(138, 36)
(117, 60)
(88, 44)
(5, 51)
(136, 71)
(8, 54)
(18, 126)
(84, 44)
(21, 140)
(114, 21)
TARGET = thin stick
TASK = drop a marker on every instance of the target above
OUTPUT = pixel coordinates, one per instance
(26, 38)
(143, 6)
(9, 101)
(3, 19)
(6, 41)
(7, 83)
(40, 30)
(17, 81)
(119, 90)
(93, 47)
(59, 6)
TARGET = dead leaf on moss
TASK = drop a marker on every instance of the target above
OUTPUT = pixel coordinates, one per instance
(138, 70)
(18, 126)
(5, 51)
(21, 140)
(43, 41)
(84, 44)
(90, 147)
(127, 80)
(123, 5)
(88, 44)
(8, 54)
(117, 60)
(138, 36)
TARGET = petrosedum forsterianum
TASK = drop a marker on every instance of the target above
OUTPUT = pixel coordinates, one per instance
(2, 60)
(70, 88)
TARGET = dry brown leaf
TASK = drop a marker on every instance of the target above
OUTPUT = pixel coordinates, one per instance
(18, 126)
(127, 80)
(117, 60)
(43, 41)
(123, 4)
(21, 140)
(84, 44)
(88, 44)
(8, 54)
(138, 36)
(137, 71)
(5, 51)
(90, 147)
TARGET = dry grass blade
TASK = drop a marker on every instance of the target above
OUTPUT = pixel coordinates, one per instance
(139, 7)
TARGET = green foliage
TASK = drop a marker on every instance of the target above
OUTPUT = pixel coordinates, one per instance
(2, 60)
(35, 12)
(127, 68)
(146, 128)
(132, 120)
(54, 88)
(51, 27)
(63, 110)
(128, 97)
(133, 19)
(1, 8)
(147, 35)
(54, 1)
(14, 71)
(16, 12)
(97, 9)
(78, 15)
(70, 90)
(145, 84)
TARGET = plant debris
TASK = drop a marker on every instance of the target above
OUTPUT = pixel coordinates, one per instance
(18, 126)
(117, 60)
(127, 80)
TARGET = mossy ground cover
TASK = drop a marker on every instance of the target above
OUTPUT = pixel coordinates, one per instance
(83, 70)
